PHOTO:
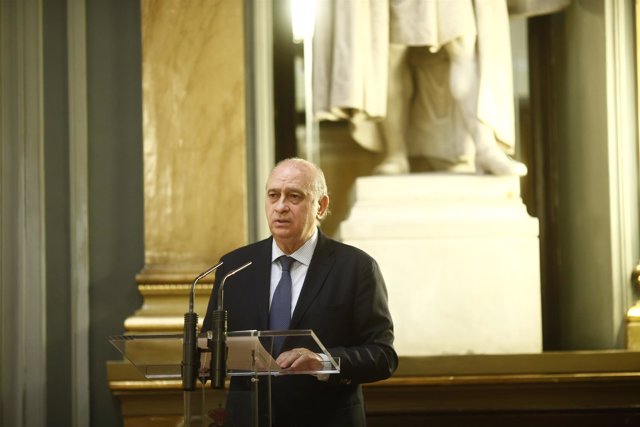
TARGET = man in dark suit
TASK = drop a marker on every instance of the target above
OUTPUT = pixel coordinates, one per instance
(336, 290)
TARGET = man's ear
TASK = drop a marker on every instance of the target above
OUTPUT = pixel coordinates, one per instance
(323, 207)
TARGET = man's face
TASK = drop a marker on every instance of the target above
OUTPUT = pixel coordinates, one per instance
(290, 208)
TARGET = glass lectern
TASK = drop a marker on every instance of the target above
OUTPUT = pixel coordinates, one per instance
(248, 353)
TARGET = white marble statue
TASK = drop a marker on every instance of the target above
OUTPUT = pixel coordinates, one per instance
(428, 78)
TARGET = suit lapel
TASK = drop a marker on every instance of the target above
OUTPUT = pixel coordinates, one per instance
(263, 269)
(321, 263)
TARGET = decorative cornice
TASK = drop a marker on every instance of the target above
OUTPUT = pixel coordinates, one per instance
(164, 305)
(170, 278)
(173, 289)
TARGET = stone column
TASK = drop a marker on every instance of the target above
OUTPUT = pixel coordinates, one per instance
(195, 181)
(195, 206)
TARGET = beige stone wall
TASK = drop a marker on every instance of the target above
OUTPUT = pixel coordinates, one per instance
(194, 133)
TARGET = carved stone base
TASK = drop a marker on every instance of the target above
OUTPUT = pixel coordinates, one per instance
(460, 256)
(633, 327)
(166, 300)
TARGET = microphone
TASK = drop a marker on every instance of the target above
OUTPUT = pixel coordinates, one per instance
(190, 359)
(219, 326)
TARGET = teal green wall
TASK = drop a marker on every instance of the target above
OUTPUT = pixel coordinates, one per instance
(114, 108)
(115, 185)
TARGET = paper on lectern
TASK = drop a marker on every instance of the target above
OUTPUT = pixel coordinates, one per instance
(245, 350)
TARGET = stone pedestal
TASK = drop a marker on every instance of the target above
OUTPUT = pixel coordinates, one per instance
(460, 256)
(633, 316)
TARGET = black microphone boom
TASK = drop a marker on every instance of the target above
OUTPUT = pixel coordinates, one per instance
(193, 285)
(190, 359)
(219, 326)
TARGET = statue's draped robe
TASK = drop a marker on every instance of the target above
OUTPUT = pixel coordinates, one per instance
(351, 51)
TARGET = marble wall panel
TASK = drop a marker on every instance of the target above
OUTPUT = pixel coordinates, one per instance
(194, 132)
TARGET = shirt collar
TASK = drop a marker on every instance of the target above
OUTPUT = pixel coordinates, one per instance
(302, 255)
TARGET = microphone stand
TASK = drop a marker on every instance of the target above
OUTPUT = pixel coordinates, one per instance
(219, 326)
(190, 359)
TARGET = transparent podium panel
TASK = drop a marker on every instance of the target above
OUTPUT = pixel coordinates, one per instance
(254, 352)
(157, 357)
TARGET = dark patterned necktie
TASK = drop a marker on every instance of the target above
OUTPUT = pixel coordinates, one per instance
(280, 313)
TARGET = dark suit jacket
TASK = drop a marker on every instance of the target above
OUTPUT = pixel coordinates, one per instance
(344, 301)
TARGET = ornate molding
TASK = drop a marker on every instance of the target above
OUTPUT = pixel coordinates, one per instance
(164, 305)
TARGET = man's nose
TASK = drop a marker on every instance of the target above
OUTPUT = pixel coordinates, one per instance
(281, 203)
